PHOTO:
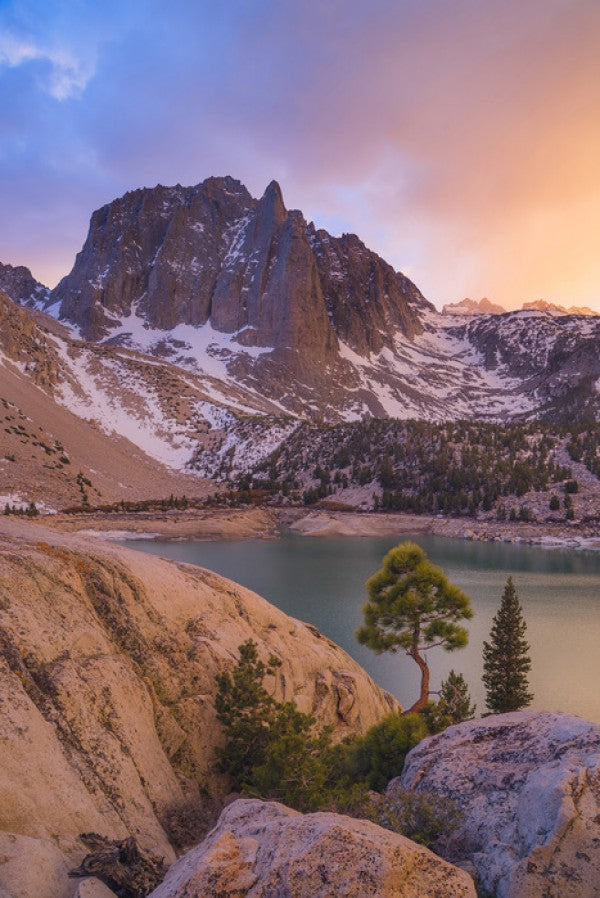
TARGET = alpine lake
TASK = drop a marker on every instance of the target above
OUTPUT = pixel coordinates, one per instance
(322, 581)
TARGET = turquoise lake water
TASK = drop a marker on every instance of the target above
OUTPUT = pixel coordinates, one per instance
(321, 580)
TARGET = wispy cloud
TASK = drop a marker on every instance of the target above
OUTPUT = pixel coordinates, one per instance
(458, 138)
(63, 76)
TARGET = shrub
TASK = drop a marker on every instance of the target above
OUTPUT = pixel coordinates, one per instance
(245, 709)
(379, 756)
(294, 769)
(273, 750)
(423, 816)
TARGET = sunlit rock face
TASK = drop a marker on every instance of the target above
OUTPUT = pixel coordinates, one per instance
(473, 307)
(108, 666)
(265, 849)
(529, 786)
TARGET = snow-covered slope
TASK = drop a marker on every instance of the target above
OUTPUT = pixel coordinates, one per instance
(520, 364)
(248, 296)
(130, 425)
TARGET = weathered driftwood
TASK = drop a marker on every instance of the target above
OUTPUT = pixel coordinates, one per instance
(121, 865)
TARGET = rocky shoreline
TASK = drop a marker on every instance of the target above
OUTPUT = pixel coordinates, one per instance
(271, 523)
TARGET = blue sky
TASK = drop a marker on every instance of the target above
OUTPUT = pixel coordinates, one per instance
(458, 138)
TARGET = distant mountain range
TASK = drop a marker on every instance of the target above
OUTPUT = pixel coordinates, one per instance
(485, 307)
(201, 321)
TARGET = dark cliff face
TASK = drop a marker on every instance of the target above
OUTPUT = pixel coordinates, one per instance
(366, 299)
(161, 248)
(212, 253)
(18, 283)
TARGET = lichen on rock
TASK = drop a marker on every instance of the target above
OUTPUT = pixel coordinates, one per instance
(528, 784)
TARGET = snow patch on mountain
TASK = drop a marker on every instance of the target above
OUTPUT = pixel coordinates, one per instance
(244, 444)
(197, 348)
(439, 374)
(121, 403)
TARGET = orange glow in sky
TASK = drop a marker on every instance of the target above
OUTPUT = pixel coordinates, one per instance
(460, 140)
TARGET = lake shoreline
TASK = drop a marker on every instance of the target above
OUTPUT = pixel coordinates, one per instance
(272, 523)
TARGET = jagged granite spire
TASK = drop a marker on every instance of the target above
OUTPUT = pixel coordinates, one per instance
(212, 253)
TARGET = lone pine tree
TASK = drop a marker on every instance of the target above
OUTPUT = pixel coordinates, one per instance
(506, 661)
(413, 607)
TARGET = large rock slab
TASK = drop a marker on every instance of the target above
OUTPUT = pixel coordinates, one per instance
(93, 888)
(31, 868)
(529, 786)
(108, 659)
(265, 850)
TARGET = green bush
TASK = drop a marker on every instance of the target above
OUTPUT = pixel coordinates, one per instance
(246, 710)
(271, 749)
(379, 756)
(425, 817)
(294, 769)
(274, 751)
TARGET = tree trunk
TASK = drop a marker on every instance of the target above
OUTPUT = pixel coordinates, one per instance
(424, 696)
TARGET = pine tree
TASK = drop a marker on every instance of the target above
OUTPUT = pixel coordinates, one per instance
(454, 703)
(413, 607)
(506, 661)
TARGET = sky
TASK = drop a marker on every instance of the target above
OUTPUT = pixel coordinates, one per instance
(460, 139)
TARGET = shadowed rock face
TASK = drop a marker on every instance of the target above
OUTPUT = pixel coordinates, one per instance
(366, 299)
(263, 849)
(19, 285)
(212, 253)
(529, 786)
(162, 248)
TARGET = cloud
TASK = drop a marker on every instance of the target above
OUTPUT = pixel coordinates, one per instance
(458, 138)
(67, 75)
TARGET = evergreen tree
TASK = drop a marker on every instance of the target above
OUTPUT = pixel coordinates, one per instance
(246, 710)
(413, 607)
(506, 661)
(453, 705)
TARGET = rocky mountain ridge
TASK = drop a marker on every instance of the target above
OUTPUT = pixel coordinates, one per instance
(553, 308)
(485, 307)
(213, 254)
(18, 283)
(200, 325)
(211, 278)
(473, 307)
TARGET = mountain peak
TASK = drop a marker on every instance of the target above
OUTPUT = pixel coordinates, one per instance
(272, 198)
(473, 307)
(541, 305)
(274, 190)
(21, 287)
